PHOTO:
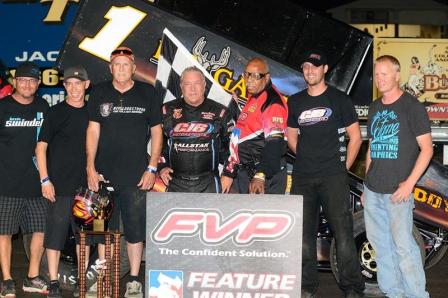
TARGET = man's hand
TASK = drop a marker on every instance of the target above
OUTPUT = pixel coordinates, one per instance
(147, 181)
(403, 192)
(363, 199)
(256, 186)
(226, 183)
(165, 175)
(48, 191)
(93, 179)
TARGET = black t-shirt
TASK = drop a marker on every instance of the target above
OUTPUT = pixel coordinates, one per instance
(64, 130)
(321, 120)
(19, 128)
(125, 119)
(393, 129)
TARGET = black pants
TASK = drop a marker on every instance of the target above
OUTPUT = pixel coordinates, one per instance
(333, 194)
(204, 183)
(274, 185)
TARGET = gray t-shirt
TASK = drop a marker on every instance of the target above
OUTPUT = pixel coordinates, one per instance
(393, 129)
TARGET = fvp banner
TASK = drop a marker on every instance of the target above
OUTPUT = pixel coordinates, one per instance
(212, 245)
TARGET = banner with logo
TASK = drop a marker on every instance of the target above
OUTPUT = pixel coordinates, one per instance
(424, 70)
(35, 31)
(212, 245)
(101, 26)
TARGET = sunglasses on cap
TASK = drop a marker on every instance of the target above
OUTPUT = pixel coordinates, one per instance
(121, 52)
(254, 75)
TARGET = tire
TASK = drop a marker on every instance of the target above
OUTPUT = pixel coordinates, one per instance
(435, 257)
(68, 270)
(366, 254)
(429, 235)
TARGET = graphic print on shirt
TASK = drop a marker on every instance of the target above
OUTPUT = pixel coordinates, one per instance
(233, 148)
(108, 108)
(20, 122)
(384, 131)
(315, 115)
(194, 129)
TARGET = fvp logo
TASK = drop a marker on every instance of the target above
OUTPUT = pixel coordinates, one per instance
(165, 284)
(243, 226)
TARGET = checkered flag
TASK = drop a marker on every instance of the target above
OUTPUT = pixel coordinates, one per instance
(174, 58)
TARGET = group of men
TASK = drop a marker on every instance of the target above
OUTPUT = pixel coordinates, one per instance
(79, 144)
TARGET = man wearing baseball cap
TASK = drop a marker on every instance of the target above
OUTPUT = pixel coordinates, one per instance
(123, 115)
(21, 202)
(319, 117)
(61, 158)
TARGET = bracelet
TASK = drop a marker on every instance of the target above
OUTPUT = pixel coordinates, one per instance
(45, 180)
(151, 169)
(260, 176)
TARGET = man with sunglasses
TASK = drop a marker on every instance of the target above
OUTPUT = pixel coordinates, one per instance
(123, 115)
(257, 147)
(21, 201)
(319, 117)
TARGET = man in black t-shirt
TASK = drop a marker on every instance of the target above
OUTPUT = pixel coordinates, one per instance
(21, 203)
(61, 158)
(123, 113)
(318, 119)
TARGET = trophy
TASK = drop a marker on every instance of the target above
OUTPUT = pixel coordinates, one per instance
(92, 210)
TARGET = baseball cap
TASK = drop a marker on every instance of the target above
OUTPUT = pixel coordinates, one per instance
(315, 57)
(122, 51)
(78, 72)
(27, 69)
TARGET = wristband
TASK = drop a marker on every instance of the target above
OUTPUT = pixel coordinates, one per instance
(45, 180)
(151, 169)
(260, 176)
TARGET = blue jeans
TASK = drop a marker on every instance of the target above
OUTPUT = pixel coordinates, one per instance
(389, 230)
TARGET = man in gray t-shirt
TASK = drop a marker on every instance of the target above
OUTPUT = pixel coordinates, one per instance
(400, 148)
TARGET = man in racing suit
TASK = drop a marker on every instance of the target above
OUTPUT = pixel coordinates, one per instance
(197, 132)
(257, 144)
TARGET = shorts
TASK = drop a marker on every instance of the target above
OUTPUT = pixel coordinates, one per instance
(58, 222)
(130, 204)
(27, 213)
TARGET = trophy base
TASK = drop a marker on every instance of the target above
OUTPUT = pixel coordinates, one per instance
(98, 225)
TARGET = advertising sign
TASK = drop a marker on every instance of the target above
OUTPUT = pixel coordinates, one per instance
(35, 31)
(424, 70)
(212, 245)
(101, 26)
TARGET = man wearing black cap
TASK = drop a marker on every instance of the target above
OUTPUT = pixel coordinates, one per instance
(318, 119)
(123, 114)
(21, 202)
(61, 159)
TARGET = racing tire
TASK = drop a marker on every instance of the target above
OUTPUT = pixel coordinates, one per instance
(366, 255)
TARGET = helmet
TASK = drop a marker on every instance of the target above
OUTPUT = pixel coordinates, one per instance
(89, 205)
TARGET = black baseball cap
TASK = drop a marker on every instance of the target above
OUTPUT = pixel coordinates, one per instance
(315, 57)
(27, 69)
(78, 72)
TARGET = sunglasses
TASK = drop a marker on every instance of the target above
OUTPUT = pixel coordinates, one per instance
(121, 52)
(24, 81)
(254, 75)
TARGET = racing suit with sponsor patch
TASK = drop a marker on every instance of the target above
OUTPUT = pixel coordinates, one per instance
(257, 143)
(196, 141)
